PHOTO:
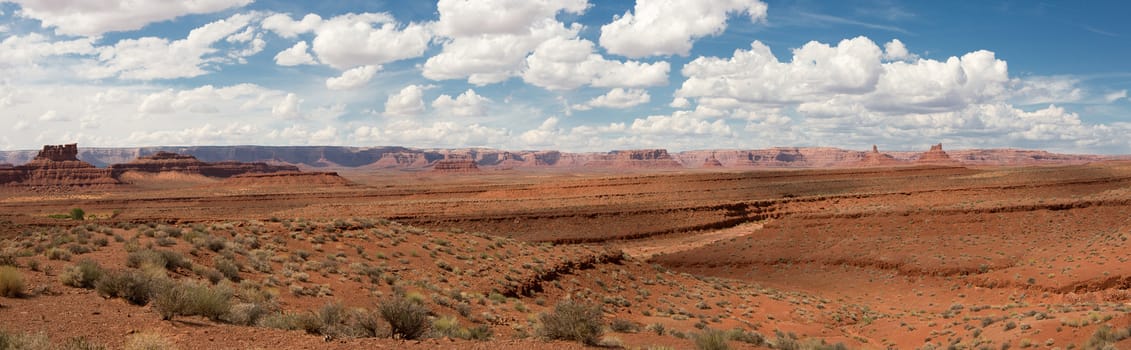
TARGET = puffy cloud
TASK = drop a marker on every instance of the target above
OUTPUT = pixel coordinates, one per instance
(52, 116)
(669, 27)
(288, 107)
(352, 40)
(467, 104)
(679, 123)
(847, 75)
(562, 64)
(32, 48)
(353, 78)
(618, 98)
(680, 102)
(150, 58)
(355, 39)
(288, 28)
(459, 18)
(894, 50)
(408, 102)
(295, 55)
(491, 58)
(1044, 90)
(93, 18)
(204, 99)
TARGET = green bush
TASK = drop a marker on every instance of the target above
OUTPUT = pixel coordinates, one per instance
(712, 339)
(227, 267)
(192, 299)
(131, 285)
(11, 282)
(574, 321)
(407, 319)
(78, 214)
(82, 275)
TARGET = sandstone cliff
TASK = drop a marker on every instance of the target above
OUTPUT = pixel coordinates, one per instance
(456, 164)
(876, 159)
(635, 159)
(172, 162)
(56, 165)
(935, 155)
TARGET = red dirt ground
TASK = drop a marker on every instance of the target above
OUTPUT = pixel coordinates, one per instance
(872, 258)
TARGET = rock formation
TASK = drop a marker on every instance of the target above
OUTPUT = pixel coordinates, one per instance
(172, 162)
(456, 164)
(56, 165)
(875, 158)
(635, 159)
(712, 162)
(935, 155)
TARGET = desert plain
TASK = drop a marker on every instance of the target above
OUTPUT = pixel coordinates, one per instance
(888, 256)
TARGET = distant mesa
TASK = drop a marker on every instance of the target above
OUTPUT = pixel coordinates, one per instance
(56, 165)
(456, 164)
(935, 155)
(635, 159)
(172, 162)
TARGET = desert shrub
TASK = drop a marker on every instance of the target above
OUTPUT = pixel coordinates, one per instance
(407, 319)
(79, 249)
(57, 254)
(147, 341)
(131, 285)
(712, 339)
(246, 314)
(8, 258)
(366, 323)
(192, 299)
(574, 321)
(11, 282)
(448, 326)
(24, 341)
(227, 267)
(738, 334)
(1105, 337)
(82, 275)
(280, 320)
(480, 332)
(621, 325)
(80, 343)
(170, 260)
(77, 214)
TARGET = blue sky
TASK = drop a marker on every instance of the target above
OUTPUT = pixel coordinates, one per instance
(571, 75)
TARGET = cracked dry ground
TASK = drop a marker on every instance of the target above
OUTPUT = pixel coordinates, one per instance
(920, 257)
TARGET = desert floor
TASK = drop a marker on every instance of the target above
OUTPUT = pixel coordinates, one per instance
(871, 258)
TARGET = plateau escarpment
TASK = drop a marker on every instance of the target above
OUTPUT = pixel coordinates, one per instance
(172, 162)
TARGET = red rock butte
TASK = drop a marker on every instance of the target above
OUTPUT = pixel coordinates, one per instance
(712, 162)
(56, 165)
(935, 155)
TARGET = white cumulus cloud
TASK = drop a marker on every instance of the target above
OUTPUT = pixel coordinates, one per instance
(407, 102)
(353, 78)
(467, 104)
(670, 27)
(617, 98)
(295, 55)
(93, 18)
(562, 64)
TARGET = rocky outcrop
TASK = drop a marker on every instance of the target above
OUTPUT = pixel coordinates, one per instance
(875, 158)
(712, 162)
(935, 155)
(635, 159)
(456, 164)
(56, 165)
(172, 162)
